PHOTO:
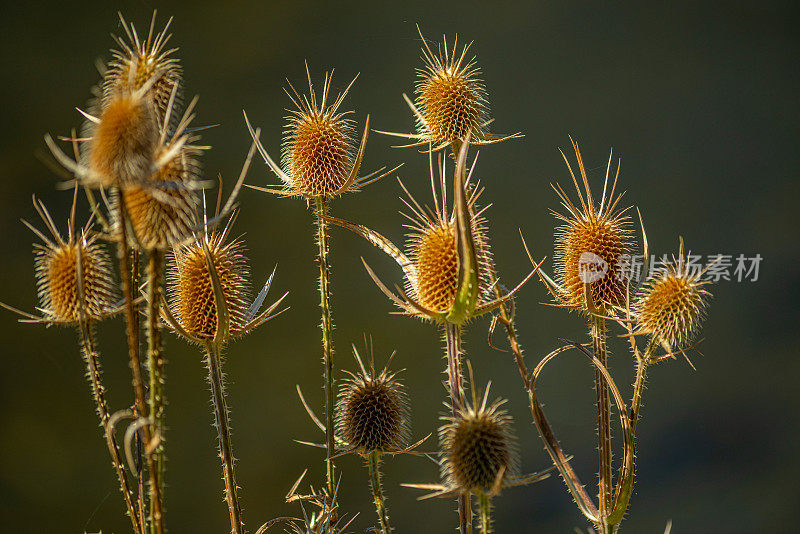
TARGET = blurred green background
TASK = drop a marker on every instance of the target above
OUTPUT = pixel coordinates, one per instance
(699, 99)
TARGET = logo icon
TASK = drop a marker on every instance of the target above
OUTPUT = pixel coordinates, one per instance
(591, 267)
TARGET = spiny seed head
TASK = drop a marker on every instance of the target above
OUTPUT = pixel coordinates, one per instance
(318, 149)
(123, 143)
(478, 448)
(57, 278)
(161, 211)
(450, 97)
(432, 249)
(372, 411)
(589, 246)
(671, 306)
(137, 62)
(191, 291)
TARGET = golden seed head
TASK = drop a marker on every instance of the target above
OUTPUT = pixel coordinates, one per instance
(57, 280)
(124, 141)
(451, 97)
(671, 307)
(589, 246)
(478, 447)
(190, 288)
(162, 211)
(372, 412)
(318, 149)
(138, 62)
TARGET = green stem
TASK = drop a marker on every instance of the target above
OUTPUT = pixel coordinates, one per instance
(605, 484)
(374, 463)
(131, 320)
(94, 374)
(456, 386)
(485, 510)
(222, 424)
(321, 210)
(155, 359)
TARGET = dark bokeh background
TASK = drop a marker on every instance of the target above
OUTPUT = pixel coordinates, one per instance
(701, 103)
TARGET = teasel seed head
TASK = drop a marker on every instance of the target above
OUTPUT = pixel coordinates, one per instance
(479, 448)
(589, 245)
(190, 285)
(74, 277)
(372, 410)
(671, 307)
(138, 62)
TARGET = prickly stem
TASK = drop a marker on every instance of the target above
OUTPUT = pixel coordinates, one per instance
(605, 484)
(374, 463)
(155, 358)
(456, 387)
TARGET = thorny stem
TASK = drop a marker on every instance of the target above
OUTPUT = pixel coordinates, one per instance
(321, 210)
(485, 511)
(456, 386)
(222, 424)
(95, 375)
(155, 359)
(638, 386)
(374, 463)
(156, 513)
(605, 483)
(140, 474)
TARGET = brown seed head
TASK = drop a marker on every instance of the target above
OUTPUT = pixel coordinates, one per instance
(372, 411)
(162, 211)
(57, 280)
(589, 247)
(451, 97)
(123, 143)
(478, 447)
(318, 150)
(136, 62)
(671, 307)
(190, 289)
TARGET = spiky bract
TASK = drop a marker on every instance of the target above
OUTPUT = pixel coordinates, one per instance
(162, 211)
(372, 412)
(136, 62)
(190, 286)
(450, 97)
(589, 246)
(671, 306)
(478, 447)
(318, 149)
(57, 278)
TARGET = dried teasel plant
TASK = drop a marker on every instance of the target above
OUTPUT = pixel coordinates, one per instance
(75, 286)
(479, 454)
(320, 163)
(208, 283)
(447, 268)
(451, 101)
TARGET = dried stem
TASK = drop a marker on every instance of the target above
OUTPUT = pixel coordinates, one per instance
(222, 424)
(605, 482)
(456, 386)
(131, 320)
(155, 359)
(374, 464)
(94, 374)
(321, 210)
(485, 511)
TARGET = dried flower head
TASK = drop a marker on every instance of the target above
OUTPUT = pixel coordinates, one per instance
(451, 100)
(138, 62)
(74, 277)
(208, 284)
(447, 264)
(372, 410)
(671, 307)
(478, 447)
(161, 209)
(320, 159)
(589, 245)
